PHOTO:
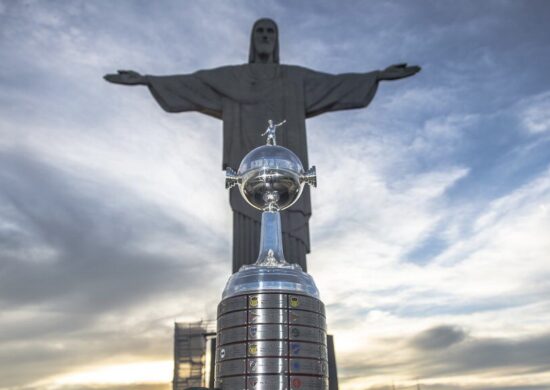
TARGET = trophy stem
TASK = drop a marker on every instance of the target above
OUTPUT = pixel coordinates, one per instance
(271, 240)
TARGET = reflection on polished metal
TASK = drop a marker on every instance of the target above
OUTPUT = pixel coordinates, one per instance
(271, 323)
(270, 178)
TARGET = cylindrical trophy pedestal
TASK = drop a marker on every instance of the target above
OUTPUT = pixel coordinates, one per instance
(271, 341)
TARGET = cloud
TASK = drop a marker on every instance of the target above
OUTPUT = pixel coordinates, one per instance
(512, 358)
(440, 337)
(71, 265)
(534, 113)
(489, 273)
(80, 232)
(498, 363)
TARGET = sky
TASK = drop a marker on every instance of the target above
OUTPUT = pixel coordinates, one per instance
(431, 221)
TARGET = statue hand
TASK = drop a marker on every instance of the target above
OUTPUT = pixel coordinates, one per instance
(125, 77)
(398, 71)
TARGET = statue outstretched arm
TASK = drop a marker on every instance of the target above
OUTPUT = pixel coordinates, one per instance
(398, 71)
(126, 77)
(327, 92)
(176, 93)
(281, 123)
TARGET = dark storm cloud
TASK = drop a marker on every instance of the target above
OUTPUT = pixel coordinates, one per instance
(439, 337)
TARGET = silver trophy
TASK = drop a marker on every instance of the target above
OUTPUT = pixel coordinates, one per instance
(271, 328)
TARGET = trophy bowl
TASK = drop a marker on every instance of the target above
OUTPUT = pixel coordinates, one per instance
(271, 177)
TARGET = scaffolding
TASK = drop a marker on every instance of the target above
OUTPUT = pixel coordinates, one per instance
(189, 355)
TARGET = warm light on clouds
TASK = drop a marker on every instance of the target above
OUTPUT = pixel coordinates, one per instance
(120, 374)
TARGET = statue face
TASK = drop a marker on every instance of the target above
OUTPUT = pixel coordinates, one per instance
(265, 36)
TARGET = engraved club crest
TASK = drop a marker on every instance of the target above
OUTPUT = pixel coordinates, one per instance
(254, 301)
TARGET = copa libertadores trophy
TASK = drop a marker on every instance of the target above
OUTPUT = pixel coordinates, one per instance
(271, 327)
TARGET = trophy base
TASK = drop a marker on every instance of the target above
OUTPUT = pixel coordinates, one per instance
(272, 340)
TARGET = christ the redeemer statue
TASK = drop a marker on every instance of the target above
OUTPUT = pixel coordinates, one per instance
(245, 97)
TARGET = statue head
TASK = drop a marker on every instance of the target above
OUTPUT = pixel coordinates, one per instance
(270, 122)
(264, 42)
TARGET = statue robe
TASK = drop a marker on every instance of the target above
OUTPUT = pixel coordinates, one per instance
(245, 97)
